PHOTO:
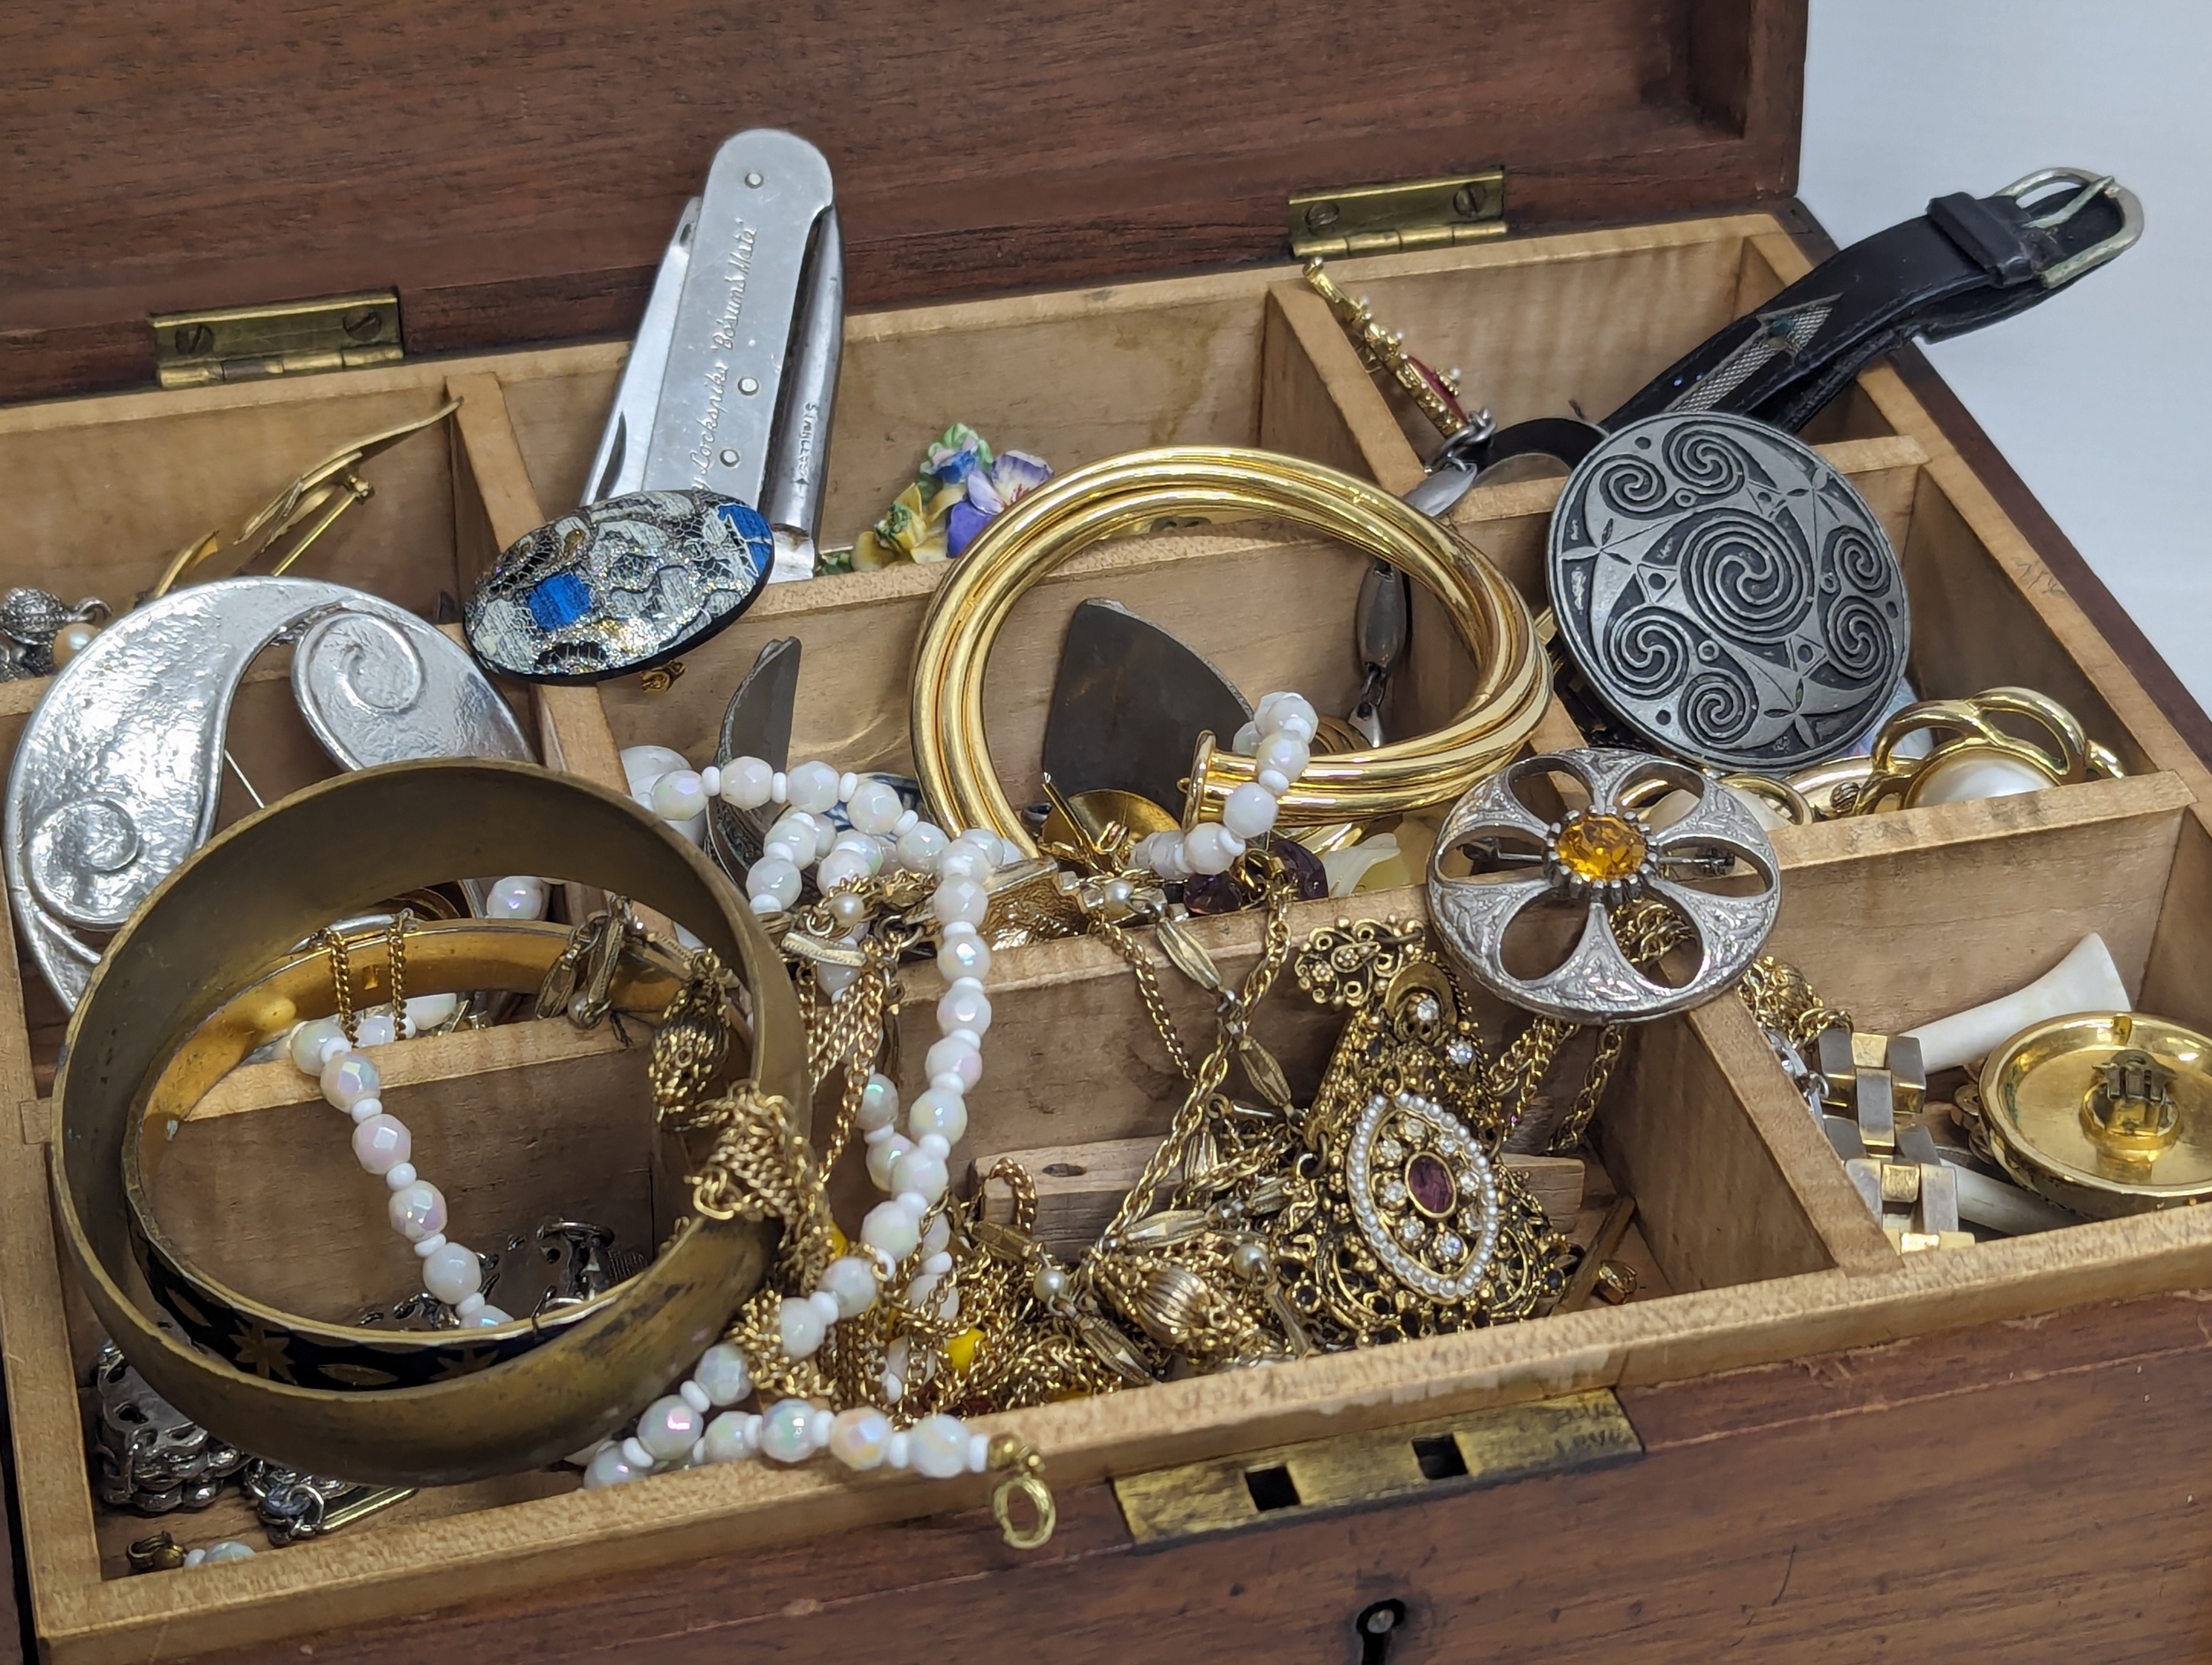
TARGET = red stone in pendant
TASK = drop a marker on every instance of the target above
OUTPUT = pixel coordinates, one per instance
(1430, 1183)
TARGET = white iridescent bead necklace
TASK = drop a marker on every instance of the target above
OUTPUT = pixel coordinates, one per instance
(696, 1425)
(328, 1048)
(676, 1431)
(1278, 739)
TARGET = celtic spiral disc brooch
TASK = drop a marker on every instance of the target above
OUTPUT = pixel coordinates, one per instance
(1727, 593)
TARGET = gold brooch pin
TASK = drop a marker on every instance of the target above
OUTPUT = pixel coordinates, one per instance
(285, 526)
(1435, 393)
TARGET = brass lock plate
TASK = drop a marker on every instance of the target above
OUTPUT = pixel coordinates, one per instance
(1474, 1450)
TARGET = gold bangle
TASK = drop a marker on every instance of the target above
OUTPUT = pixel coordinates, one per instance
(1126, 493)
(242, 902)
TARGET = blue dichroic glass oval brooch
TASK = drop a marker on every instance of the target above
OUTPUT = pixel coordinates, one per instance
(618, 586)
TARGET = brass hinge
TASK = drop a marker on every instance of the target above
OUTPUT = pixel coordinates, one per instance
(1378, 219)
(297, 338)
(1476, 1449)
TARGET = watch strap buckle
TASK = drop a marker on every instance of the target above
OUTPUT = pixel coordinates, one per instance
(2091, 187)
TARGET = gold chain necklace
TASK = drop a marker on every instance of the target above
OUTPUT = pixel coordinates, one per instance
(1259, 1229)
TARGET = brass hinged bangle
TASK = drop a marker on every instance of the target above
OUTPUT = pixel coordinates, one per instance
(243, 900)
(1127, 493)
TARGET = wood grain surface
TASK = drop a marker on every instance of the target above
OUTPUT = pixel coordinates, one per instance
(1959, 1496)
(18, 1641)
(514, 171)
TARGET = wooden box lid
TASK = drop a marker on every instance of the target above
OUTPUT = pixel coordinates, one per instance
(513, 171)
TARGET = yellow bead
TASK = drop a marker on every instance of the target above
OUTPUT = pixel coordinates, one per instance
(266, 1017)
(839, 1243)
(1601, 847)
(961, 1350)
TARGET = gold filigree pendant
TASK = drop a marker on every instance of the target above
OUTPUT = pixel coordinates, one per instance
(1407, 1224)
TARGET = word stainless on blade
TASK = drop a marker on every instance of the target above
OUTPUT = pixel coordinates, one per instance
(747, 318)
(798, 458)
(1128, 706)
(118, 776)
(619, 467)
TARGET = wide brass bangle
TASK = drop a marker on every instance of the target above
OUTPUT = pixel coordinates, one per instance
(444, 957)
(243, 900)
(1126, 493)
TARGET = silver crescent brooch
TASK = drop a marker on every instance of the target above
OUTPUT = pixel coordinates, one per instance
(119, 775)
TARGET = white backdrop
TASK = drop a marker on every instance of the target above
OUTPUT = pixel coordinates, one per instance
(2098, 397)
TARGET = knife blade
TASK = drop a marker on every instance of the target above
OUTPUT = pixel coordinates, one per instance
(757, 721)
(756, 724)
(619, 466)
(1128, 705)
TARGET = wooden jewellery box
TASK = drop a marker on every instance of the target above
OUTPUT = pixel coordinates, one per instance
(1794, 1437)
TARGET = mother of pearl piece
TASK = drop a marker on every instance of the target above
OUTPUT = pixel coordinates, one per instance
(1977, 774)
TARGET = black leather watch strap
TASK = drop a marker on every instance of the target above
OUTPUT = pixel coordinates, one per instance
(1967, 262)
